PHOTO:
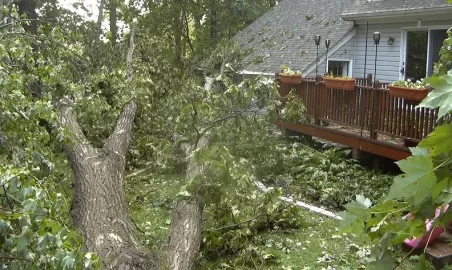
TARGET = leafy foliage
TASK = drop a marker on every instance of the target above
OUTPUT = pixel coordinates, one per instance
(294, 109)
(34, 230)
(329, 178)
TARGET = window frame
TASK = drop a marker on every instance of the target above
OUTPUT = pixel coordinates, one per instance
(350, 65)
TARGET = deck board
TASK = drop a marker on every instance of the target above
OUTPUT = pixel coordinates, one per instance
(439, 252)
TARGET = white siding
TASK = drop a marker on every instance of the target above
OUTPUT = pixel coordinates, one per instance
(345, 52)
(388, 58)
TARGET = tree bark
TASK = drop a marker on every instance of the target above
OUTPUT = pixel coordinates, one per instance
(113, 22)
(99, 210)
(100, 18)
(186, 223)
(213, 24)
(130, 51)
(28, 7)
(178, 27)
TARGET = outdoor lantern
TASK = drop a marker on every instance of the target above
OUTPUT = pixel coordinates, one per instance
(327, 44)
(317, 43)
(377, 38)
(317, 39)
(391, 40)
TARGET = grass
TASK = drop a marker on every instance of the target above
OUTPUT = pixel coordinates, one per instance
(317, 245)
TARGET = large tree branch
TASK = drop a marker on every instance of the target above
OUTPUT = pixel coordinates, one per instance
(119, 140)
(79, 145)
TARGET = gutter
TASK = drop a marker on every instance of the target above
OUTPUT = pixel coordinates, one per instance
(395, 13)
(248, 72)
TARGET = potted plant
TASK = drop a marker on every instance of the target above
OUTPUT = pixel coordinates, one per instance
(288, 75)
(344, 83)
(409, 90)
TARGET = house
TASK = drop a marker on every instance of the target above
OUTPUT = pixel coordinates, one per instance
(411, 34)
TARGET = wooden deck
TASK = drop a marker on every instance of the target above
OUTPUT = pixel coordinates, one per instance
(440, 251)
(365, 118)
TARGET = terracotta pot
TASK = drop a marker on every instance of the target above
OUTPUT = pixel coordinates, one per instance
(408, 93)
(292, 79)
(334, 83)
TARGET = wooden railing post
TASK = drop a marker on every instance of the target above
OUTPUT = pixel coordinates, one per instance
(369, 79)
(362, 106)
(318, 78)
(373, 112)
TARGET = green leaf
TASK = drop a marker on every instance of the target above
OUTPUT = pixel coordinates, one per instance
(419, 151)
(441, 96)
(422, 264)
(417, 182)
(439, 187)
(439, 140)
(68, 262)
(363, 201)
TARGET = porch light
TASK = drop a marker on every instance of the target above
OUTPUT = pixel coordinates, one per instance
(391, 40)
(317, 40)
(317, 43)
(327, 43)
(376, 38)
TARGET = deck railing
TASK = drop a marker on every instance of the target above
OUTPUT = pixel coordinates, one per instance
(370, 110)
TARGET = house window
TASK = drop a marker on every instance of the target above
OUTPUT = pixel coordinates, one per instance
(339, 68)
(421, 52)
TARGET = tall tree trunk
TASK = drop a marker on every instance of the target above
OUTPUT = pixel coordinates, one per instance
(213, 24)
(113, 22)
(99, 210)
(100, 18)
(28, 7)
(178, 27)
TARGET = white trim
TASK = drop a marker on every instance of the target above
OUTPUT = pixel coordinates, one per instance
(331, 51)
(403, 46)
(350, 64)
(428, 64)
(388, 14)
(248, 72)
(402, 54)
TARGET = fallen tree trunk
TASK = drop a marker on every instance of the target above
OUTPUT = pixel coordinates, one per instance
(99, 210)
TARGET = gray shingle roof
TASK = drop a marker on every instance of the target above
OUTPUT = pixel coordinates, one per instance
(376, 6)
(284, 35)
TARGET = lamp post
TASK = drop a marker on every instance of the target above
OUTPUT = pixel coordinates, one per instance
(317, 39)
(327, 44)
(317, 43)
(376, 42)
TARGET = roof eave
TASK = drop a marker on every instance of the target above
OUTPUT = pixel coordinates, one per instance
(395, 13)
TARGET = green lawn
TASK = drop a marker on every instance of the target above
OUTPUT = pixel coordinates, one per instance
(317, 245)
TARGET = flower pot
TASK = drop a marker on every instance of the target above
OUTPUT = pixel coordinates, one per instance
(335, 83)
(292, 79)
(408, 93)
